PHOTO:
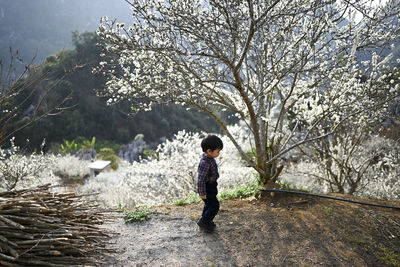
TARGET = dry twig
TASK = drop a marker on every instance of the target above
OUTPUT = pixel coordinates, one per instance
(41, 228)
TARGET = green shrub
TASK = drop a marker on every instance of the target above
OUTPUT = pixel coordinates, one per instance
(68, 147)
(241, 191)
(139, 214)
(108, 154)
(80, 142)
(149, 154)
(86, 144)
(107, 144)
(289, 186)
(286, 185)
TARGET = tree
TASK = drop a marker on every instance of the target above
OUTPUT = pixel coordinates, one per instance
(345, 160)
(289, 69)
(24, 98)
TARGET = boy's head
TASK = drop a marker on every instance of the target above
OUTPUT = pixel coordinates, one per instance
(211, 145)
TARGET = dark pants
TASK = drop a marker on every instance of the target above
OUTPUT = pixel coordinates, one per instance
(211, 208)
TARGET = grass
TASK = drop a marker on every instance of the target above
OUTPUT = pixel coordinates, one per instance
(328, 211)
(285, 185)
(246, 190)
(241, 191)
(192, 198)
(383, 253)
(138, 214)
(388, 256)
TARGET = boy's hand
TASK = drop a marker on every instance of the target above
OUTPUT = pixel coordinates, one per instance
(203, 197)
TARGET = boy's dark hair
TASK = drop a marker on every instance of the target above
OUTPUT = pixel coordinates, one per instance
(211, 142)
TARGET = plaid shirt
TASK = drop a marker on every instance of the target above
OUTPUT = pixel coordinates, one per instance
(207, 172)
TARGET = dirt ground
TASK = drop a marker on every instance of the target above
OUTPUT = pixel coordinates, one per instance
(280, 231)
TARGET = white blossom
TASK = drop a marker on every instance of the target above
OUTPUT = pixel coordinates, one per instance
(285, 61)
(172, 176)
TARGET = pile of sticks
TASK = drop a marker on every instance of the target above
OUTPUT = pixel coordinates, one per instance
(41, 228)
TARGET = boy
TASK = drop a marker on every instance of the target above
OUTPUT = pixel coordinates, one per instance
(207, 181)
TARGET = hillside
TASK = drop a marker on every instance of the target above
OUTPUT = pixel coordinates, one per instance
(44, 27)
(90, 115)
(280, 231)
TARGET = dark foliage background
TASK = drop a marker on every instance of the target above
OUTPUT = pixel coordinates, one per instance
(91, 116)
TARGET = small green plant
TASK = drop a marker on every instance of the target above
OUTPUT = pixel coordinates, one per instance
(286, 185)
(149, 154)
(192, 198)
(80, 142)
(138, 214)
(290, 186)
(68, 147)
(245, 190)
(138, 136)
(86, 144)
(120, 206)
(328, 211)
(251, 154)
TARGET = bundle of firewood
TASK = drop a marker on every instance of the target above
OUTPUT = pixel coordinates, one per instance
(42, 228)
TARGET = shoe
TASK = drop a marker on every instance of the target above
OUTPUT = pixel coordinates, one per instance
(205, 227)
(213, 226)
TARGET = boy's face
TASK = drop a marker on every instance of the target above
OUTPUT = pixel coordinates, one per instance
(213, 153)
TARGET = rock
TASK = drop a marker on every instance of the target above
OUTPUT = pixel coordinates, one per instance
(86, 154)
(132, 151)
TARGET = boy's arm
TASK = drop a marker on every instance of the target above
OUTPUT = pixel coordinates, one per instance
(214, 170)
(201, 179)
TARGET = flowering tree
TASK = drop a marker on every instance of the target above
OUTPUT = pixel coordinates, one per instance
(278, 65)
(344, 161)
(367, 166)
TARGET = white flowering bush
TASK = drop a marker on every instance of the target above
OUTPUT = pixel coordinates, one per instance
(300, 175)
(382, 180)
(18, 170)
(373, 168)
(173, 176)
(70, 166)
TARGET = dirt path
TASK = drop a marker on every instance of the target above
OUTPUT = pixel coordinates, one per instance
(312, 233)
(166, 241)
